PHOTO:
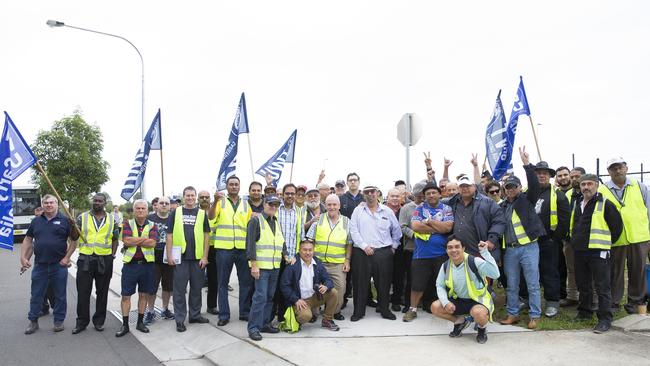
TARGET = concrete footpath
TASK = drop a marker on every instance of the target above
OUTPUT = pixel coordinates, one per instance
(371, 341)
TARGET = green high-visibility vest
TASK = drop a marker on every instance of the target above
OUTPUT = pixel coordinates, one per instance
(268, 249)
(130, 251)
(599, 235)
(331, 243)
(633, 212)
(98, 241)
(229, 231)
(480, 295)
(178, 235)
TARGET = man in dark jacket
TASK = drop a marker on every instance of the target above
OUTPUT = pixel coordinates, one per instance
(306, 285)
(595, 225)
(523, 228)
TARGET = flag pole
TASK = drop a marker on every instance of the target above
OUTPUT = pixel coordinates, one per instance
(65, 209)
(250, 154)
(532, 126)
(291, 174)
(162, 171)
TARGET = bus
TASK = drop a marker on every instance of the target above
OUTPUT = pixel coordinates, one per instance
(25, 199)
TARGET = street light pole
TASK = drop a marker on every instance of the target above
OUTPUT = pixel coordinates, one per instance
(56, 24)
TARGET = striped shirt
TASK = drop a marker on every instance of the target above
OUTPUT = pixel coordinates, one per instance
(288, 218)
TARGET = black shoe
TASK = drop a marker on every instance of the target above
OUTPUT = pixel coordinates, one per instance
(256, 336)
(345, 303)
(32, 327)
(371, 303)
(602, 327)
(223, 322)
(141, 327)
(339, 316)
(356, 318)
(405, 309)
(630, 308)
(180, 327)
(124, 329)
(99, 327)
(395, 307)
(78, 329)
(213, 311)
(270, 329)
(388, 315)
(313, 319)
(481, 337)
(568, 302)
(458, 328)
(200, 320)
(582, 317)
(243, 318)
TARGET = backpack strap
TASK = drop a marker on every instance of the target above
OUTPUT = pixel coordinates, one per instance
(471, 261)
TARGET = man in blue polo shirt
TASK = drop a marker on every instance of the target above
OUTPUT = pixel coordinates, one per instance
(47, 238)
(431, 222)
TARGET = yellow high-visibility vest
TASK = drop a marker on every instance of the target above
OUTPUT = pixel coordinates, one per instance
(98, 241)
(481, 296)
(633, 212)
(599, 235)
(130, 251)
(178, 235)
(520, 233)
(268, 249)
(229, 231)
(331, 243)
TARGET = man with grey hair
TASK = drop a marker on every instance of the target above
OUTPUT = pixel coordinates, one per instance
(333, 246)
(408, 243)
(140, 237)
(314, 207)
(633, 202)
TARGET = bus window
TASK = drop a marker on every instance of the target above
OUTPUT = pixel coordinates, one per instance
(25, 202)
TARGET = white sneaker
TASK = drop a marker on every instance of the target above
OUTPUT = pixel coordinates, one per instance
(551, 311)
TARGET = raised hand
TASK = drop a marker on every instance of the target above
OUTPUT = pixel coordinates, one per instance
(427, 159)
(525, 158)
(474, 160)
(448, 162)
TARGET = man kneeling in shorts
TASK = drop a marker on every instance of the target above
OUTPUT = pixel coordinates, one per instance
(462, 288)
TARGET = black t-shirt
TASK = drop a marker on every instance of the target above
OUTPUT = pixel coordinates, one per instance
(50, 238)
(257, 209)
(189, 218)
(161, 225)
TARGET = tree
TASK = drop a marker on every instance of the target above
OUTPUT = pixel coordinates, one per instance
(71, 155)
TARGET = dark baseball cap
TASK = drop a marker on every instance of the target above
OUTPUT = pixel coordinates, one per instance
(512, 181)
(339, 183)
(430, 186)
(272, 199)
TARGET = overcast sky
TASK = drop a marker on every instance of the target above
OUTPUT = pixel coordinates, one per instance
(341, 72)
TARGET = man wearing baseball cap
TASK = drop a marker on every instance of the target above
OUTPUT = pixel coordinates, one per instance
(520, 240)
(633, 202)
(339, 187)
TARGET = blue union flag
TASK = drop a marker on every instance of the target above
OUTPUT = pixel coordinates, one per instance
(229, 162)
(276, 163)
(152, 141)
(496, 141)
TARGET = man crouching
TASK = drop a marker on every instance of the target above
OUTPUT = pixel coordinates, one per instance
(306, 285)
(462, 288)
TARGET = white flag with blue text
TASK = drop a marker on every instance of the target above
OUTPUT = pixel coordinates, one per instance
(496, 141)
(229, 162)
(276, 163)
(152, 141)
(16, 157)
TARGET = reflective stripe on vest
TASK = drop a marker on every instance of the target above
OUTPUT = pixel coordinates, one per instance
(599, 235)
(178, 235)
(230, 229)
(268, 249)
(481, 296)
(130, 251)
(553, 211)
(633, 212)
(331, 244)
(99, 242)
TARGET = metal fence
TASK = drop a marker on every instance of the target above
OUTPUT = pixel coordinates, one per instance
(639, 174)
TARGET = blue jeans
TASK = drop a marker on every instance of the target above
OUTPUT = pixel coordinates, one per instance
(260, 314)
(226, 258)
(524, 258)
(57, 276)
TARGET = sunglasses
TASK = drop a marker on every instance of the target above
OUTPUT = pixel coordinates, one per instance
(496, 191)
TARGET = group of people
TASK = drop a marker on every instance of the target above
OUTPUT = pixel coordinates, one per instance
(301, 252)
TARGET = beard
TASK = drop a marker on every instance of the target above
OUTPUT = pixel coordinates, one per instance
(312, 205)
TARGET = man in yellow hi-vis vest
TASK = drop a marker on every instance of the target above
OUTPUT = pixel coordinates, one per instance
(189, 230)
(632, 199)
(139, 237)
(595, 225)
(462, 288)
(230, 217)
(95, 262)
(265, 249)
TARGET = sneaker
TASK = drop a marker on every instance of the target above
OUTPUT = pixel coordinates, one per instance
(551, 311)
(256, 336)
(167, 314)
(339, 316)
(458, 329)
(329, 324)
(31, 328)
(149, 318)
(58, 327)
(481, 337)
(409, 316)
(601, 327)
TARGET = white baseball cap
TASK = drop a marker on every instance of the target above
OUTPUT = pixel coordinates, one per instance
(612, 161)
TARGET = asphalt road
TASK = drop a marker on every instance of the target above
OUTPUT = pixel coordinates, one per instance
(48, 348)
